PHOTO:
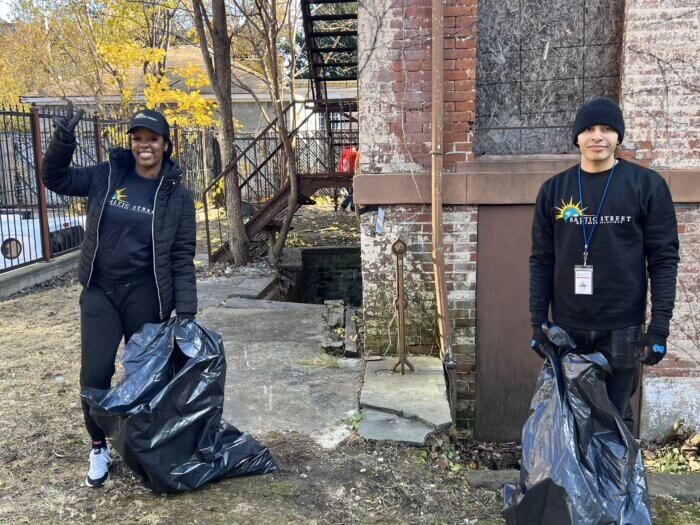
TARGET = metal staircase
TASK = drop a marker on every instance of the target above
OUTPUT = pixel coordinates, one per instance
(330, 28)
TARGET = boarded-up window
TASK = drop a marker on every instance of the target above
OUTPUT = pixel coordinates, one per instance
(537, 62)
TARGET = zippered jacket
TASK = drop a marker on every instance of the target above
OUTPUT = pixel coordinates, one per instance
(173, 219)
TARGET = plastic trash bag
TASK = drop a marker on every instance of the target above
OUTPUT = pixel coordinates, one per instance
(164, 417)
(580, 463)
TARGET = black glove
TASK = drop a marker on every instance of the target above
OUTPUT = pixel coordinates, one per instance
(65, 124)
(651, 348)
(185, 317)
(540, 341)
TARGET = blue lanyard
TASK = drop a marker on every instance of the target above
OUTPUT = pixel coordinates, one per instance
(587, 237)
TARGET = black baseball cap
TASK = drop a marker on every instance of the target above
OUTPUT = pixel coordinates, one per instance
(150, 119)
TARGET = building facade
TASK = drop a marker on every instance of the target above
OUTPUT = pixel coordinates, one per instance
(514, 74)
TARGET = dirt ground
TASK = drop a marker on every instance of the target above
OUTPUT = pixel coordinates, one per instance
(44, 447)
(43, 456)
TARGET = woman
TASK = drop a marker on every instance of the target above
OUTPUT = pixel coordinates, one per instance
(136, 263)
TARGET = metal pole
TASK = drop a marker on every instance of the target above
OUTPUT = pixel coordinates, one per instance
(399, 249)
(210, 252)
(444, 327)
(98, 140)
(40, 188)
(205, 178)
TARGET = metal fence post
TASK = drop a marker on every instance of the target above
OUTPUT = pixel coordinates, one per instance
(176, 141)
(41, 190)
(99, 150)
(205, 174)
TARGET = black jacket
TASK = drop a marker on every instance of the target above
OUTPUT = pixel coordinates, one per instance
(173, 219)
(636, 235)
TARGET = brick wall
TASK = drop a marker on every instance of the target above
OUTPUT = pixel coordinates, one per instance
(660, 76)
(660, 101)
(395, 113)
(395, 83)
(412, 225)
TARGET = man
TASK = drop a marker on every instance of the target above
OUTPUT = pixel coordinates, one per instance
(599, 228)
(348, 163)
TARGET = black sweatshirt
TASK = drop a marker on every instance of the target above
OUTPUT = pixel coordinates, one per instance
(126, 247)
(635, 233)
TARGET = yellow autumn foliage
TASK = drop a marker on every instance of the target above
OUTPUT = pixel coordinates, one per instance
(185, 108)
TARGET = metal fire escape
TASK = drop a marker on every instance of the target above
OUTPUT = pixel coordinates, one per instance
(330, 28)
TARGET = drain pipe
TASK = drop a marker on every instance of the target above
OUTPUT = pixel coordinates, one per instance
(436, 156)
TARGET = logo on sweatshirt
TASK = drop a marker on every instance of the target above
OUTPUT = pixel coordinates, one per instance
(119, 200)
(575, 213)
(119, 195)
(569, 210)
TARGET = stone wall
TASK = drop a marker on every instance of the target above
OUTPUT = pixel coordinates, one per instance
(412, 224)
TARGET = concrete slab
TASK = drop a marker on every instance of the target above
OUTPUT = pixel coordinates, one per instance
(213, 291)
(243, 303)
(666, 400)
(382, 426)
(277, 379)
(350, 334)
(419, 395)
(682, 486)
(254, 287)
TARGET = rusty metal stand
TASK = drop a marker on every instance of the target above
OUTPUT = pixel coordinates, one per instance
(399, 249)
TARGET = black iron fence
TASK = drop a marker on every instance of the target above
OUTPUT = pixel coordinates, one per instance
(38, 224)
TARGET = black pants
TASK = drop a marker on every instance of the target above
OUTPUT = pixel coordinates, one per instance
(347, 201)
(108, 312)
(619, 348)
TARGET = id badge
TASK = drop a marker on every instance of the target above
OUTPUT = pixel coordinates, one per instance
(583, 281)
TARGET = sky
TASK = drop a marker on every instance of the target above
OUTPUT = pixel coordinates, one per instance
(5, 9)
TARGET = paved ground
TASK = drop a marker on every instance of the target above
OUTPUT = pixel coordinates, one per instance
(277, 378)
(44, 446)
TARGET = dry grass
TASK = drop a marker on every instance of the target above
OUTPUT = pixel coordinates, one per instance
(43, 455)
(319, 225)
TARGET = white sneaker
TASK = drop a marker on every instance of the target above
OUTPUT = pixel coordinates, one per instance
(99, 467)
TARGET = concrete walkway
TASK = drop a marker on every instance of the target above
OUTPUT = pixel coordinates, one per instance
(277, 378)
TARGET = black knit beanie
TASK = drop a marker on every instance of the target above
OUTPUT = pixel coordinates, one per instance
(602, 111)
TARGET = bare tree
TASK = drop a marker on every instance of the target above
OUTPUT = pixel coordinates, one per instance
(215, 43)
(267, 26)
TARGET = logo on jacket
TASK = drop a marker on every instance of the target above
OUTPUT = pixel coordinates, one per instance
(569, 210)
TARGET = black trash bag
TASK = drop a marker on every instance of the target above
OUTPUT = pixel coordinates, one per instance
(580, 463)
(165, 416)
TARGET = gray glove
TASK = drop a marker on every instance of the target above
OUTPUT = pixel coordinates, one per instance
(65, 124)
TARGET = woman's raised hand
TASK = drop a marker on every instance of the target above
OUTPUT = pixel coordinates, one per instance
(65, 124)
